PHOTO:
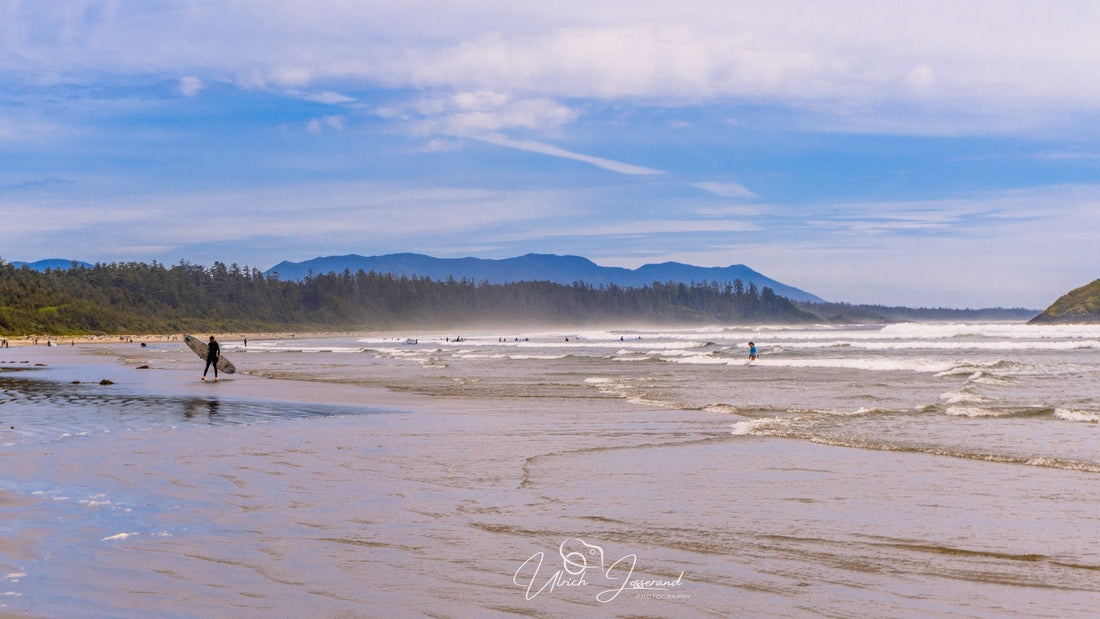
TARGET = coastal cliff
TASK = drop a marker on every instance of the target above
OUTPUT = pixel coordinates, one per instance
(1077, 306)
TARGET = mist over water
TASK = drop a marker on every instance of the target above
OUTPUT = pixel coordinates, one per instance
(911, 469)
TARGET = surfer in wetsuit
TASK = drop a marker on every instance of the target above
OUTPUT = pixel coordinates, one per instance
(213, 353)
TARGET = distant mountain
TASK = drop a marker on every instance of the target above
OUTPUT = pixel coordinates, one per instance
(1076, 306)
(534, 267)
(51, 263)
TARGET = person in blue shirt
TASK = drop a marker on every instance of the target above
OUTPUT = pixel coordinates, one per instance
(753, 355)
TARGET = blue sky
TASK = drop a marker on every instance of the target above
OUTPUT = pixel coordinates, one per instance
(929, 154)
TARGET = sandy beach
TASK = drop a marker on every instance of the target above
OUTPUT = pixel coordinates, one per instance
(428, 482)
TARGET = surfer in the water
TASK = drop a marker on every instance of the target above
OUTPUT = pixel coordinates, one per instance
(213, 353)
(753, 355)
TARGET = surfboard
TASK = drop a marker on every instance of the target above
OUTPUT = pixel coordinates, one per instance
(225, 366)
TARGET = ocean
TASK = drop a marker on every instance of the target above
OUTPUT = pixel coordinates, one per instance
(906, 470)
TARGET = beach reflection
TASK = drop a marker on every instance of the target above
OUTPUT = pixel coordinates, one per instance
(201, 408)
(46, 410)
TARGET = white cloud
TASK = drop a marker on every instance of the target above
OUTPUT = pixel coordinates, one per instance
(327, 97)
(921, 78)
(553, 151)
(191, 86)
(727, 190)
(317, 125)
(731, 211)
(439, 145)
(110, 225)
(639, 229)
(958, 53)
(484, 114)
(464, 113)
(28, 127)
(1002, 248)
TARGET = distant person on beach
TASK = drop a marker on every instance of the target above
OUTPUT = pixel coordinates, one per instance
(753, 355)
(213, 353)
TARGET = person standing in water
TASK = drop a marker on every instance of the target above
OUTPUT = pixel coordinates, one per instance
(213, 353)
(753, 355)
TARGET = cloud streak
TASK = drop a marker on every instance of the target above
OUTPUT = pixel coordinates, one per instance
(553, 151)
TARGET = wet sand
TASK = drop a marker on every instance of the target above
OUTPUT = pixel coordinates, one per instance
(404, 505)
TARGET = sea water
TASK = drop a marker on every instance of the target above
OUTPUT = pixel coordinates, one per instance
(898, 470)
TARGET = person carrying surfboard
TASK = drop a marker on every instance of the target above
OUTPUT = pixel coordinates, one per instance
(213, 351)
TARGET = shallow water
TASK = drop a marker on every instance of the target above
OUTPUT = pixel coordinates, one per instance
(907, 470)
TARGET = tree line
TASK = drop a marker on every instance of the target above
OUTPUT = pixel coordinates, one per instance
(137, 297)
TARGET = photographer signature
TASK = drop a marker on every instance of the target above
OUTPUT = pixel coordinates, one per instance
(579, 559)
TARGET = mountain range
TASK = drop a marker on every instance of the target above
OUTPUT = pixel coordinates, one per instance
(534, 267)
(50, 263)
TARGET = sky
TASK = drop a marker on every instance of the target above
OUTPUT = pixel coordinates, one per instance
(933, 154)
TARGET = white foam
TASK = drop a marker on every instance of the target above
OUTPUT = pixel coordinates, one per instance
(963, 397)
(859, 411)
(1064, 465)
(117, 536)
(610, 386)
(1076, 415)
(866, 363)
(974, 411)
(677, 351)
(723, 408)
(977, 345)
(279, 347)
(636, 359)
(701, 360)
(758, 426)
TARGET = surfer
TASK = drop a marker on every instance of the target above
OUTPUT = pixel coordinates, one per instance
(753, 355)
(213, 352)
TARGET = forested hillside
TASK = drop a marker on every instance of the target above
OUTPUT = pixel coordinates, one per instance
(153, 298)
(1081, 305)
